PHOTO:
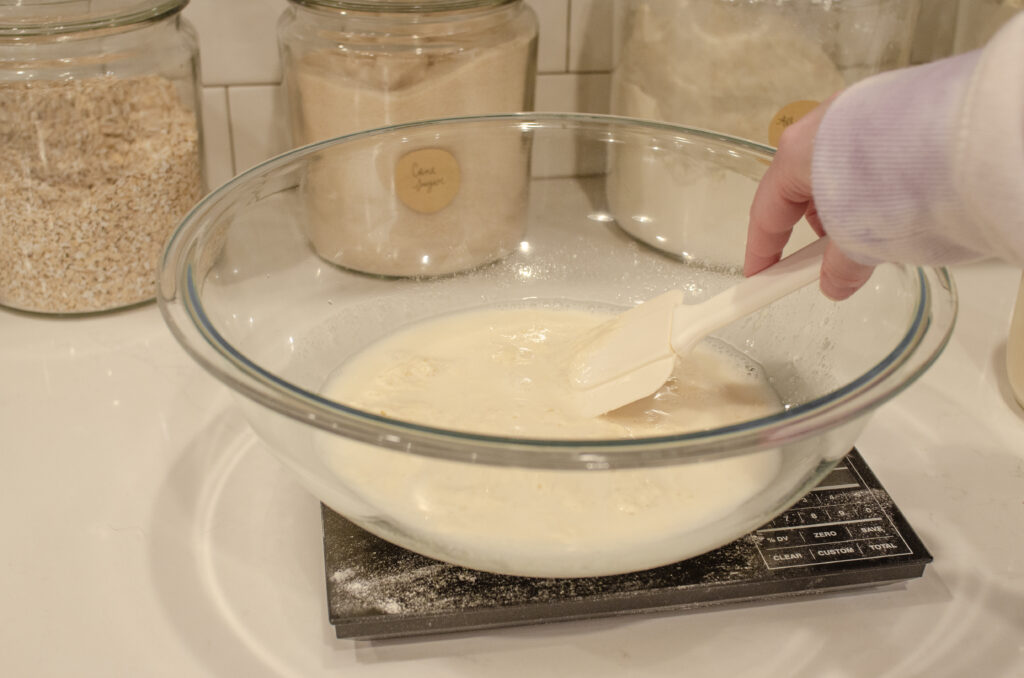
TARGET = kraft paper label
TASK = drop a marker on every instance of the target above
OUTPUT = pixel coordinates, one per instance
(786, 116)
(427, 179)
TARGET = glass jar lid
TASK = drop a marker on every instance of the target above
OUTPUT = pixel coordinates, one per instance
(402, 6)
(54, 17)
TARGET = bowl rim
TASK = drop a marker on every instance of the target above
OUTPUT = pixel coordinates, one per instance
(179, 301)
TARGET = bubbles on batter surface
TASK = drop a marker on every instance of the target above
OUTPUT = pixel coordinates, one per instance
(501, 370)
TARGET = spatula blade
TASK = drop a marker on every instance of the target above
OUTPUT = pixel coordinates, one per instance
(631, 356)
(626, 358)
(594, 401)
(627, 342)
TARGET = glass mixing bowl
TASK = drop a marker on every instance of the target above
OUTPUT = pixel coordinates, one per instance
(258, 286)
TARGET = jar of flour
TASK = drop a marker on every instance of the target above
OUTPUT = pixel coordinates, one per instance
(414, 209)
(744, 68)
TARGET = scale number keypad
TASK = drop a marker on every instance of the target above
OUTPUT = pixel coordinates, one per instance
(838, 521)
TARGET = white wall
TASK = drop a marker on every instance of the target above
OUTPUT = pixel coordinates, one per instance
(244, 125)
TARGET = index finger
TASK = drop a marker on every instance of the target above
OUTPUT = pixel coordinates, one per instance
(774, 211)
(784, 194)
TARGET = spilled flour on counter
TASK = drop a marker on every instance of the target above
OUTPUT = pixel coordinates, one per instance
(500, 371)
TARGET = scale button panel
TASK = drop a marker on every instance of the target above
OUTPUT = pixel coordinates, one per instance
(888, 547)
(782, 539)
(788, 557)
(870, 529)
(839, 521)
(831, 553)
(826, 533)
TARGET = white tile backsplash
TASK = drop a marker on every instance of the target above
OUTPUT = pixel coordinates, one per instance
(259, 127)
(573, 92)
(219, 162)
(237, 40)
(553, 38)
(590, 35)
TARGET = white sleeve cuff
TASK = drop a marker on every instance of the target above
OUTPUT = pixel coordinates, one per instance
(925, 165)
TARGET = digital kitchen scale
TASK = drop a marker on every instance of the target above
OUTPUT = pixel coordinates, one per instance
(846, 533)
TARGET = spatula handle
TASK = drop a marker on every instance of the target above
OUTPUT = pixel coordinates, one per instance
(788, 275)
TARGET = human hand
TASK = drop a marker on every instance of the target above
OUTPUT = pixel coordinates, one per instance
(783, 197)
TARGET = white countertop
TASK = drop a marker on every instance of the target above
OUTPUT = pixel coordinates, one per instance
(146, 532)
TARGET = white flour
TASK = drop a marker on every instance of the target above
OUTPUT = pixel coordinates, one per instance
(500, 371)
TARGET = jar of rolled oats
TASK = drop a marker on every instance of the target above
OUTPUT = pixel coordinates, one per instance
(99, 122)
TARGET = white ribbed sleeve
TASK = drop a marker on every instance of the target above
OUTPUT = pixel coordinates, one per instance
(925, 165)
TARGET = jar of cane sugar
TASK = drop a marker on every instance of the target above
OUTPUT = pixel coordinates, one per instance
(99, 122)
(353, 66)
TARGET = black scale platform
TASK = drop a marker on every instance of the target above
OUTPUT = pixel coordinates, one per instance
(846, 533)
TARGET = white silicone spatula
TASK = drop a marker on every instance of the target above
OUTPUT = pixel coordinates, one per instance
(633, 355)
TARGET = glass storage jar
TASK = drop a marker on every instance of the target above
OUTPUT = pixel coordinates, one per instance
(747, 68)
(979, 20)
(1015, 347)
(351, 66)
(99, 122)
(732, 65)
(934, 31)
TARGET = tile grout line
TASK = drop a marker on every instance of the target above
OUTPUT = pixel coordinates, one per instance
(231, 128)
(568, 37)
